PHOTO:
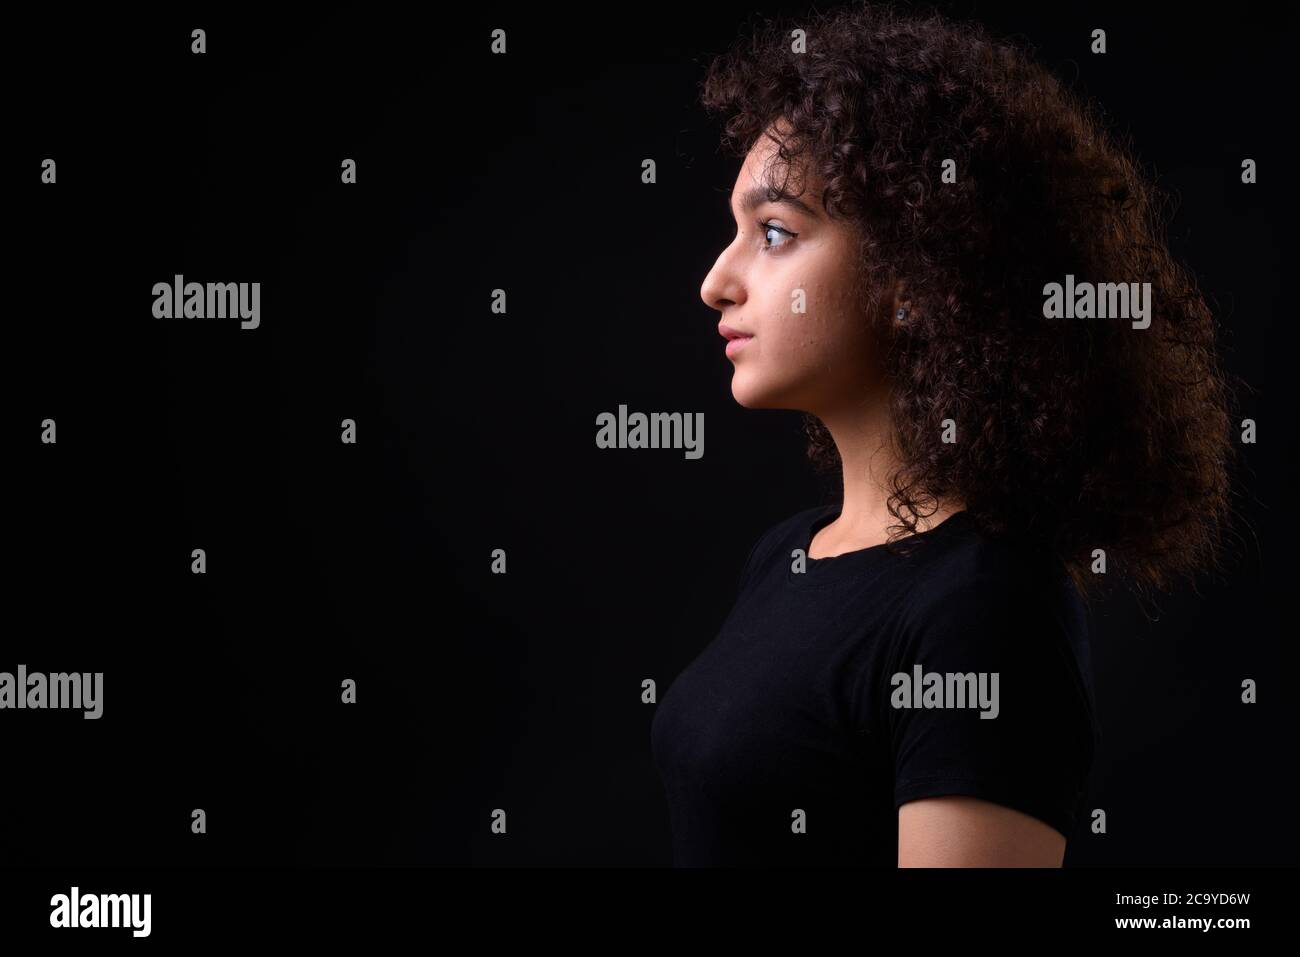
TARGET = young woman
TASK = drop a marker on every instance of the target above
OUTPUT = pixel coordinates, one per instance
(925, 224)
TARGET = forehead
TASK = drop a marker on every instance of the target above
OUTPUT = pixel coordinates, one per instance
(762, 166)
(764, 172)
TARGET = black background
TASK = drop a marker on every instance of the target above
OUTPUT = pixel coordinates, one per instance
(371, 561)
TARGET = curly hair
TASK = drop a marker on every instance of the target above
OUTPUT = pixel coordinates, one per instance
(1077, 434)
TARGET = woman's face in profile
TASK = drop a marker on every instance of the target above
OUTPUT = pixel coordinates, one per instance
(815, 360)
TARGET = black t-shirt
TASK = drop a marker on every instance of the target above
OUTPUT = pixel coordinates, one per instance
(785, 742)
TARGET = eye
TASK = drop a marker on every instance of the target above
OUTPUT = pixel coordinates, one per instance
(768, 230)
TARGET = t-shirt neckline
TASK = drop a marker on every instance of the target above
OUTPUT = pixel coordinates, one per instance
(825, 570)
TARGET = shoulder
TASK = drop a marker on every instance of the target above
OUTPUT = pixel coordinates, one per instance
(982, 599)
(792, 528)
(968, 571)
(786, 531)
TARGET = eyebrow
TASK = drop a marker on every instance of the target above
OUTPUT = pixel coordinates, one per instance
(756, 196)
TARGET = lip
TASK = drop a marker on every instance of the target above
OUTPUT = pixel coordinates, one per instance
(735, 344)
(735, 338)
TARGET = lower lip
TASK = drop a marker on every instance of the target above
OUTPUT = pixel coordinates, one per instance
(735, 345)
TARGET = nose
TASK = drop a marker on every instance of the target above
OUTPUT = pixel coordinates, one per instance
(722, 287)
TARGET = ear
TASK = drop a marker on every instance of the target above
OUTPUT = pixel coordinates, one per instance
(901, 301)
(902, 309)
(900, 291)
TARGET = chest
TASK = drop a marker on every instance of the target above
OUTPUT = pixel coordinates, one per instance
(786, 692)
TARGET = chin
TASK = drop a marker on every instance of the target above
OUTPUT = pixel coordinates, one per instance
(751, 395)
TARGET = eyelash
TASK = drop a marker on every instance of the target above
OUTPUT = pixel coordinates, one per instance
(764, 227)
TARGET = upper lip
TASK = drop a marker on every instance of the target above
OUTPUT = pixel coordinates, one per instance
(728, 332)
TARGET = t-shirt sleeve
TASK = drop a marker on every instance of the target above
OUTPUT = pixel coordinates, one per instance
(1025, 737)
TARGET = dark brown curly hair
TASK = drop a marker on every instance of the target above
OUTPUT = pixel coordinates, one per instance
(1076, 433)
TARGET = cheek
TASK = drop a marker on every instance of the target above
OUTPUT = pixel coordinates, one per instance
(814, 319)
(827, 333)
(836, 316)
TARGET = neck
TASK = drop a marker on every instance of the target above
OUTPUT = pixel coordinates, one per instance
(862, 436)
